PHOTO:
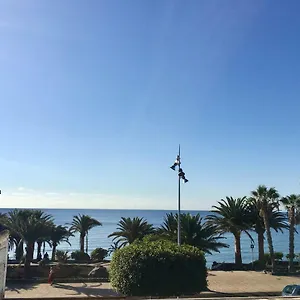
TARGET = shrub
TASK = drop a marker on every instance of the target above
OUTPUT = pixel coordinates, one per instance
(62, 256)
(277, 256)
(158, 268)
(80, 256)
(99, 254)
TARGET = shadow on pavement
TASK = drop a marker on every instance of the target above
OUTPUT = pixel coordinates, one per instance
(18, 287)
(92, 290)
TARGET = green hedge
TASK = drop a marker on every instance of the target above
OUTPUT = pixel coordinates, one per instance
(158, 268)
(80, 256)
(98, 254)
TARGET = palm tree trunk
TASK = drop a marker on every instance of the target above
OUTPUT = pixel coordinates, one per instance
(53, 252)
(39, 250)
(260, 241)
(81, 242)
(269, 238)
(292, 239)
(238, 252)
(86, 243)
(19, 250)
(28, 259)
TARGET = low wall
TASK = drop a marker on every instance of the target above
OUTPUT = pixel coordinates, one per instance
(64, 271)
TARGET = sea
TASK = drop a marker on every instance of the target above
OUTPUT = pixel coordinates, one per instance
(98, 236)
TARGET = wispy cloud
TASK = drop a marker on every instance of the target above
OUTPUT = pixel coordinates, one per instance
(23, 197)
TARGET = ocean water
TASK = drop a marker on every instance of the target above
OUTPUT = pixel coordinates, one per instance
(98, 237)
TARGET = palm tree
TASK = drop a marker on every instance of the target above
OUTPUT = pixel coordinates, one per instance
(58, 235)
(113, 247)
(41, 242)
(292, 204)
(30, 226)
(277, 220)
(232, 215)
(265, 197)
(129, 230)
(83, 224)
(16, 241)
(193, 232)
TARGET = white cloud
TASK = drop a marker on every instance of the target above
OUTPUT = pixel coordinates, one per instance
(23, 197)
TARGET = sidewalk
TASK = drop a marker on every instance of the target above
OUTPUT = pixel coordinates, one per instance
(44, 290)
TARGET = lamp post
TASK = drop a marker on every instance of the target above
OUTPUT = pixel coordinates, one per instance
(181, 176)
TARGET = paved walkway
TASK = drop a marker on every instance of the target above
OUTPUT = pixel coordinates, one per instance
(219, 282)
(42, 290)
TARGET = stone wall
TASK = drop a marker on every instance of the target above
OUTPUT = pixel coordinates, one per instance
(64, 271)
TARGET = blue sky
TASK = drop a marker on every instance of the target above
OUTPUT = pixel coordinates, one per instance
(95, 97)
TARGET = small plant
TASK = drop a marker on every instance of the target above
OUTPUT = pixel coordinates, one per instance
(62, 256)
(277, 256)
(99, 254)
(113, 247)
(80, 256)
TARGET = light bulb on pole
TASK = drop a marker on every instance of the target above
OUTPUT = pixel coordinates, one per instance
(181, 176)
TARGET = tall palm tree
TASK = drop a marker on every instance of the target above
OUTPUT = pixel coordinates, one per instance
(129, 230)
(45, 238)
(30, 226)
(277, 220)
(232, 215)
(16, 241)
(193, 232)
(83, 224)
(58, 235)
(292, 204)
(265, 197)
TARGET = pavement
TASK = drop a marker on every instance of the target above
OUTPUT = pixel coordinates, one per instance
(44, 290)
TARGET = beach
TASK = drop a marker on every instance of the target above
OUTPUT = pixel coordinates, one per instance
(218, 281)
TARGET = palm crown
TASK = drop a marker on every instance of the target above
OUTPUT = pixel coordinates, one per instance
(193, 232)
(129, 230)
(83, 224)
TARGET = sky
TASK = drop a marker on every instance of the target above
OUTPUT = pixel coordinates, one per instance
(96, 96)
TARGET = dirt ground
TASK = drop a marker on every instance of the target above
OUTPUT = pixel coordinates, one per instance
(219, 281)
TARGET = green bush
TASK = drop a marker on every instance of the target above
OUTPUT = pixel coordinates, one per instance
(80, 256)
(277, 256)
(158, 268)
(62, 256)
(99, 254)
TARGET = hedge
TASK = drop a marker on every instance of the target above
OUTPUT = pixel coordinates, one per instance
(158, 268)
(98, 254)
(80, 256)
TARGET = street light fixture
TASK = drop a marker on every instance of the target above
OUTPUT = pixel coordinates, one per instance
(181, 176)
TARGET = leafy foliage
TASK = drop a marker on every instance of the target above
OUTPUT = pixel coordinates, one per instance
(232, 215)
(276, 217)
(129, 230)
(266, 197)
(58, 235)
(83, 224)
(113, 247)
(158, 268)
(193, 232)
(99, 254)
(80, 256)
(28, 226)
(62, 256)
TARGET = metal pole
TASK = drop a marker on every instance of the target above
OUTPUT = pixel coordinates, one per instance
(178, 221)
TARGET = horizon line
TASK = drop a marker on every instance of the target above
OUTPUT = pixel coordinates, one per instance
(136, 209)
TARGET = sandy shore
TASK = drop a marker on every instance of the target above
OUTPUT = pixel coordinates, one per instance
(223, 282)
